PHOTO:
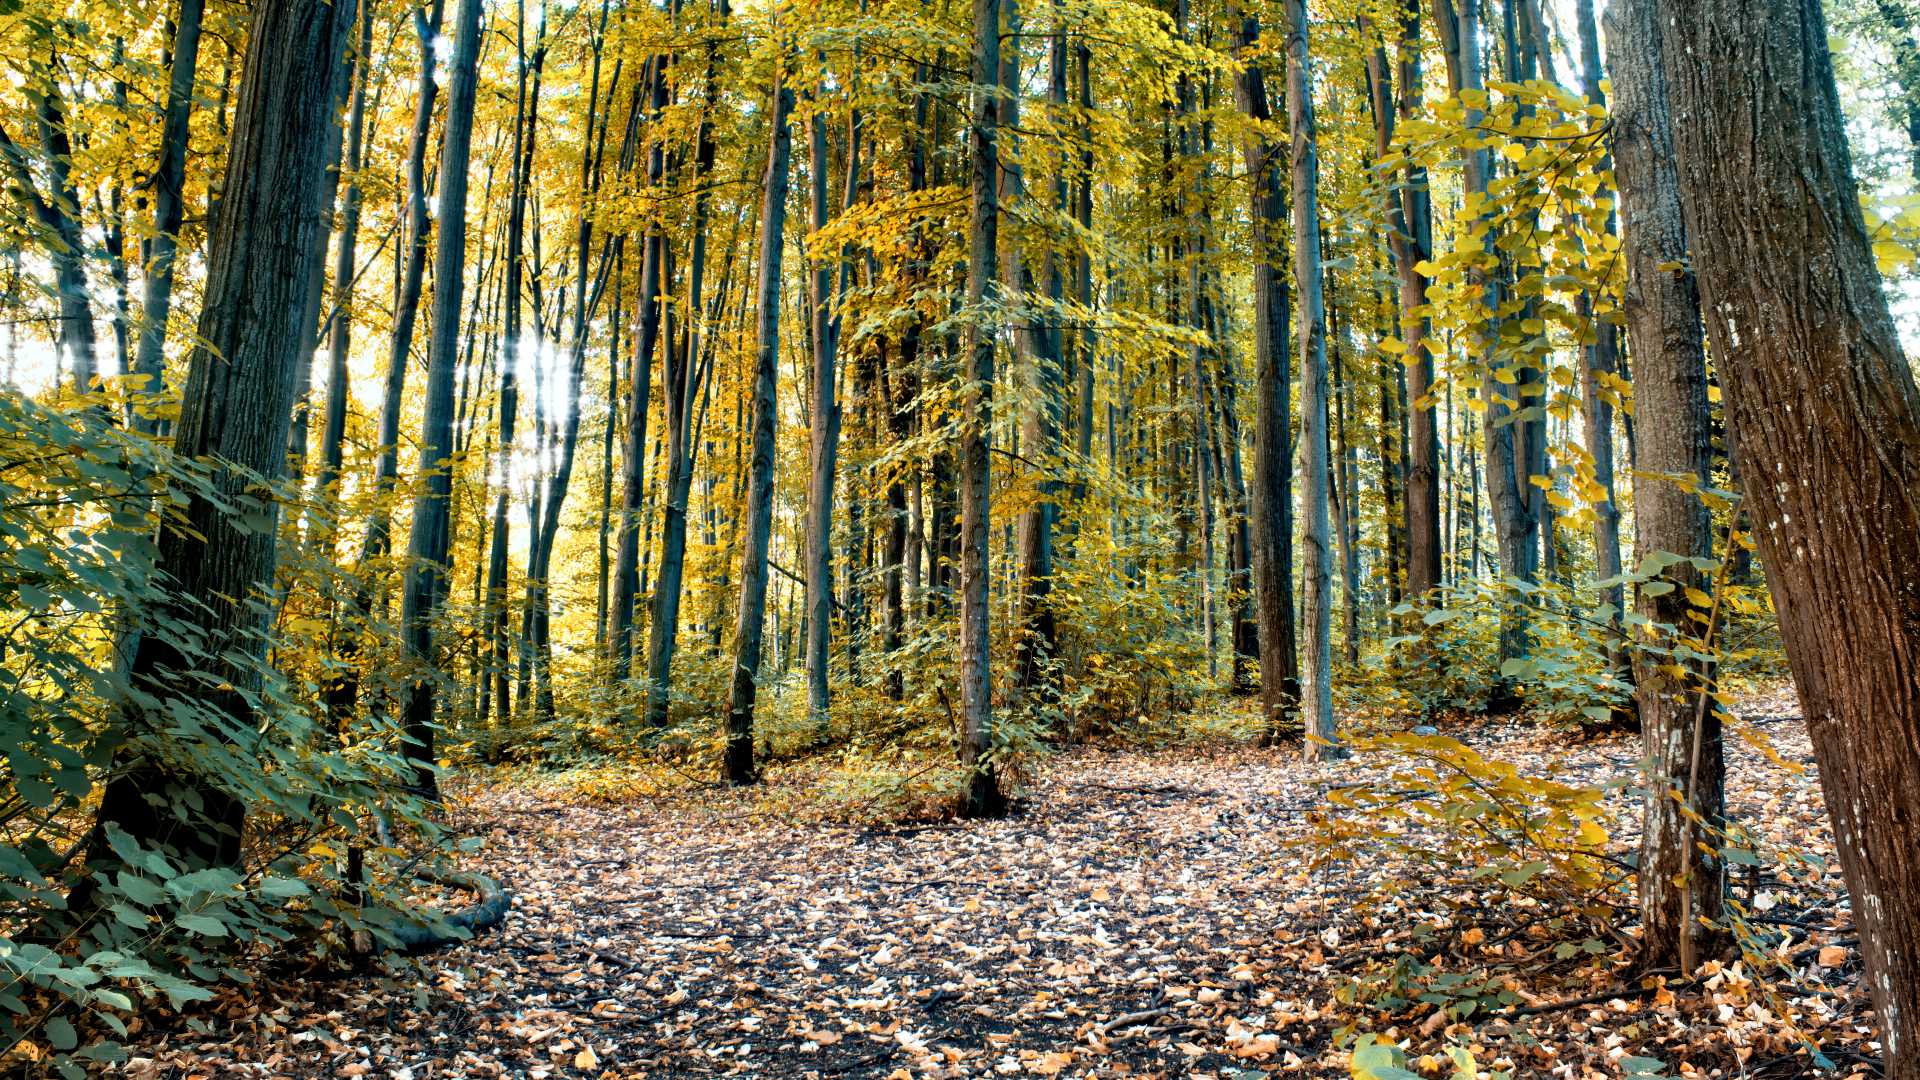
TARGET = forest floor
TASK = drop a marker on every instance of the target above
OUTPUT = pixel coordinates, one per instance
(1144, 915)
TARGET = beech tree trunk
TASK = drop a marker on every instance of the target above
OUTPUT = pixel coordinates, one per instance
(428, 542)
(169, 207)
(1826, 425)
(1678, 886)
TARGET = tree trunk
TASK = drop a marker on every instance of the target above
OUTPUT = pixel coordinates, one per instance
(236, 409)
(1317, 670)
(428, 542)
(1271, 505)
(664, 624)
(169, 208)
(983, 797)
(1826, 422)
(1678, 887)
(751, 619)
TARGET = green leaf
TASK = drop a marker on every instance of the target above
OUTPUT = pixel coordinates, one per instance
(203, 924)
(60, 1033)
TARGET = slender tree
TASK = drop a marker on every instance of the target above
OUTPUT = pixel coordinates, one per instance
(750, 625)
(429, 540)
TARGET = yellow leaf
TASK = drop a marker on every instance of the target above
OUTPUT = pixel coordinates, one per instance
(585, 1059)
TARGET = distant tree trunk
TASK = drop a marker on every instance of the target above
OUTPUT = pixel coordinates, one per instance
(494, 606)
(236, 408)
(1271, 504)
(626, 566)
(1410, 239)
(983, 797)
(428, 542)
(1317, 670)
(57, 214)
(1826, 423)
(1602, 359)
(341, 698)
(751, 619)
(1678, 887)
(340, 325)
(824, 414)
(1039, 633)
(169, 208)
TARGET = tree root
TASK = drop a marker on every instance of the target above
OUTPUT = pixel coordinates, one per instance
(487, 912)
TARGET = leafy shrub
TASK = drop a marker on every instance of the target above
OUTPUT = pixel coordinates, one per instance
(80, 502)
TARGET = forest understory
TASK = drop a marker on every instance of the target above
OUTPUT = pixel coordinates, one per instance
(1158, 913)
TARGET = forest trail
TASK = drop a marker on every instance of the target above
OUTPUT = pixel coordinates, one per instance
(1144, 915)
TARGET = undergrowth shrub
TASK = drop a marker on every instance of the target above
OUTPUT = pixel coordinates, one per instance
(81, 499)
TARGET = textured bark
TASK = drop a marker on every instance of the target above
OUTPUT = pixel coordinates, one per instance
(983, 797)
(1271, 504)
(751, 619)
(1678, 887)
(1826, 423)
(236, 409)
(428, 542)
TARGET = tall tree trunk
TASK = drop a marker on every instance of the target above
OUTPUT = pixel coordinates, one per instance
(1271, 505)
(983, 797)
(428, 542)
(823, 437)
(1678, 887)
(1602, 360)
(169, 208)
(1826, 423)
(626, 567)
(664, 624)
(235, 409)
(1317, 670)
(751, 619)
(1039, 633)
(340, 325)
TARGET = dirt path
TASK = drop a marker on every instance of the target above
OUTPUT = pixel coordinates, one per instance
(1139, 918)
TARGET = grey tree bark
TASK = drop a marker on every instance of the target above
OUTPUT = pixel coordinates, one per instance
(428, 542)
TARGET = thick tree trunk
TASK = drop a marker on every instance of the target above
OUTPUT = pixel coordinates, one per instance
(983, 797)
(427, 544)
(823, 437)
(1678, 887)
(236, 408)
(751, 619)
(1826, 423)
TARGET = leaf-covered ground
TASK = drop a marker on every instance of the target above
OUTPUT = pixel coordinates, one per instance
(1143, 916)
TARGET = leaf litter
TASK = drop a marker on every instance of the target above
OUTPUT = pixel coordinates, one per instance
(1144, 915)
